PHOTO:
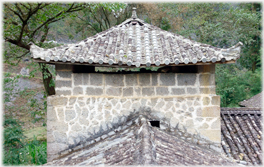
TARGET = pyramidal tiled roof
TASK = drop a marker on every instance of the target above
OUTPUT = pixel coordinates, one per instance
(138, 143)
(135, 43)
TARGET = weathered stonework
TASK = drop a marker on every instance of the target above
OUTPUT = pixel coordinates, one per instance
(96, 102)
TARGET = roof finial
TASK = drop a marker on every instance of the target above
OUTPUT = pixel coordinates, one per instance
(134, 13)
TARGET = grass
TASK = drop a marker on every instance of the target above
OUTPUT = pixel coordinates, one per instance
(24, 136)
(33, 152)
(23, 148)
(24, 133)
(40, 132)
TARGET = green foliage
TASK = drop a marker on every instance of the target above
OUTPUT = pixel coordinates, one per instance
(32, 153)
(37, 111)
(235, 85)
(13, 133)
(25, 23)
(165, 25)
(34, 69)
(216, 24)
(223, 25)
(17, 150)
(33, 19)
(96, 17)
(37, 151)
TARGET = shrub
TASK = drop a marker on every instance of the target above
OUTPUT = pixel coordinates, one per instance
(18, 151)
(13, 133)
(235, 85)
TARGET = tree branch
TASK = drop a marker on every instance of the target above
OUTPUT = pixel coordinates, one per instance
(30, 7)
(24, 23)
(33, 9)
(15, 13)
(22, 28)
(93, 27)
(30, 13)
(57, 20)
(22, 4)
(18, 57)
(88, 24)
(21, 32)
(46, 22)
(18, 43)
(44, 5)
(81, 18)
(18, 8)
(103, 20)
(43, 38)
(100, 23)
(106, 17)
(12, 22)
(75, 10)
(52, 18)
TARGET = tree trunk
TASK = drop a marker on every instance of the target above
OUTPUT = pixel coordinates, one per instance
(47, 79)
(254, 64)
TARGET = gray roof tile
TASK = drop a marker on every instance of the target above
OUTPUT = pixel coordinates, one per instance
(140, 144)
(137, 143)
(136, 43)
(255, 101)
(241, 132)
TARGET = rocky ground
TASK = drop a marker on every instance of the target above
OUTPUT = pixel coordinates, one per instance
(26, 99)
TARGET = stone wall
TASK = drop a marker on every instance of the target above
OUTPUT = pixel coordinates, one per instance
(89, 104)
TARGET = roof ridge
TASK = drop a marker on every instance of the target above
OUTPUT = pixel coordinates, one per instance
(134, 13)
(147, 152)
(118, 128)
(241, 110)
(138, 143)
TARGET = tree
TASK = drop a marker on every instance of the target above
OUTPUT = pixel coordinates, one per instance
(235, 85)
(167, 16)
(29, 22)
(98, 17)
(251, 58)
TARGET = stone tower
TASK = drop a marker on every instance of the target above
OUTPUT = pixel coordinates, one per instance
(180, 95)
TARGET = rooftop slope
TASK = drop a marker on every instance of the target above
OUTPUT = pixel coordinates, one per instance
(138, 143)
(135, 43)
(241, 132)
(255, 101)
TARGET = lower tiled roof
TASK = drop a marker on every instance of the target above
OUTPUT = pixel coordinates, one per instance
(255, 101)
(241, 132)
(138, 143)
(141, 144)
(171, 150)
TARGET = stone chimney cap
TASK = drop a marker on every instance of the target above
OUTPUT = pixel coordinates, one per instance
(134, 13)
